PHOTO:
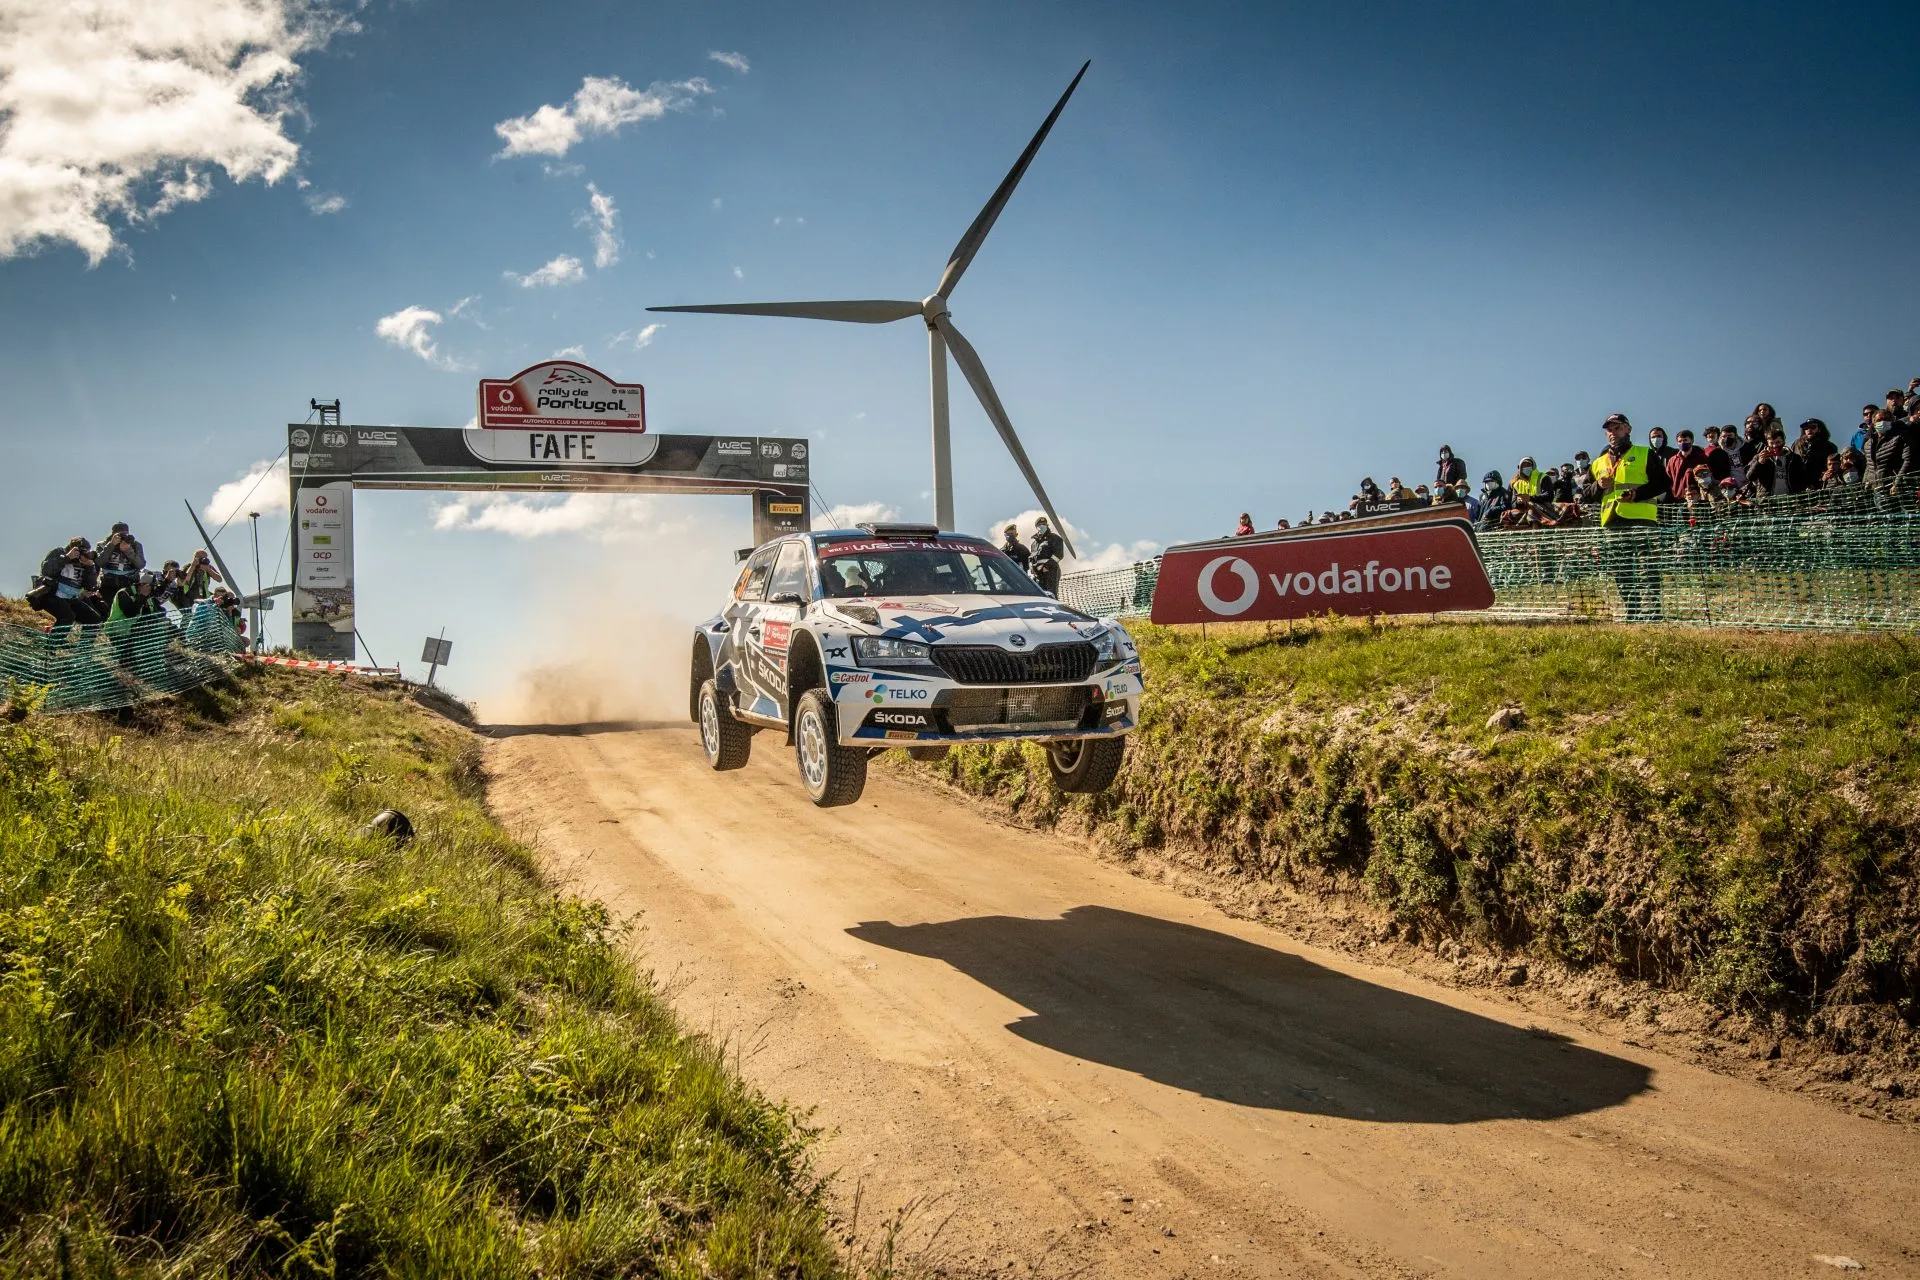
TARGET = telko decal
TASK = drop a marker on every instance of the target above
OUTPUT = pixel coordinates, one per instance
(1409, 568)
(897, 693)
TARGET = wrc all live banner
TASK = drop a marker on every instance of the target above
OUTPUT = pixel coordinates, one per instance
(1405, 568)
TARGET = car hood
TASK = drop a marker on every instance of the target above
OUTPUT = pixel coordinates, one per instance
(1010, 622)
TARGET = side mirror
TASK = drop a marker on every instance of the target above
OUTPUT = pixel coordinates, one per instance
(742, 554)
(786, 597)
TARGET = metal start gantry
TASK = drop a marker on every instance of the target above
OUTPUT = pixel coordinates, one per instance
(558, 427)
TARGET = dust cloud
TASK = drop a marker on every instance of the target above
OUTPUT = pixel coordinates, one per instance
(613, 645)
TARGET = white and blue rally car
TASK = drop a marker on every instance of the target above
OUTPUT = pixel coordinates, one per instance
(894, 635)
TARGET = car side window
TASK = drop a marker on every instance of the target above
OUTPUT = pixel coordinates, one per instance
(790, 572)
(755, 583)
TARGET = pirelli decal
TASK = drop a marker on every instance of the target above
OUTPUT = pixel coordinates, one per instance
(784, 508)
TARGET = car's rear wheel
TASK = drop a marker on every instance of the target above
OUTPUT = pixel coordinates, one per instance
(728, 743)
(832, 774)
(1085, 766)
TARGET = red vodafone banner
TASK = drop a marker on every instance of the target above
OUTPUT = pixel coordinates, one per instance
(1403, 567)
(563, 394)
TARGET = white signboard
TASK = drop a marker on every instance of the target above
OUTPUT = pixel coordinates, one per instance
(561, 447)
(323, 568)
(561, 394)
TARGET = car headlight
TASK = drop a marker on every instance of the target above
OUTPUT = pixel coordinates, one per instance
(879, 651)
(1106, 647)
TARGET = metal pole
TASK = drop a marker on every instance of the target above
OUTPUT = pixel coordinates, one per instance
(254, 517)
(942, 443)
(435, 664)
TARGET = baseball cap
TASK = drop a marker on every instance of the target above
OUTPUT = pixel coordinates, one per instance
(1616, 419)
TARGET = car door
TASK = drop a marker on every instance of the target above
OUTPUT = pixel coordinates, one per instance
(743, 624)
(772, 634)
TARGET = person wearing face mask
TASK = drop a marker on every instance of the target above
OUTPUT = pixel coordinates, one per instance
(1662, 451)
(1681, 462)
(1047, 548)
(1449, 470)
(1014, 549)
(1889, 454)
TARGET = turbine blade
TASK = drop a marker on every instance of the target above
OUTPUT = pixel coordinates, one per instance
(970, 242)
(976, 374)
(861, 311)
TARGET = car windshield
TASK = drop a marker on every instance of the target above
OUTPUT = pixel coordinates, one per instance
(849, 569)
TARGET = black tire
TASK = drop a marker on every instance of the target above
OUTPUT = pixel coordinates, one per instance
(832, 774)
(726, 741)
(1085, 766)
(929, 754)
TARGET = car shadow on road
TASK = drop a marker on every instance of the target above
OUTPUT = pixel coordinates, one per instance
(577, 730)
(1226, 1018)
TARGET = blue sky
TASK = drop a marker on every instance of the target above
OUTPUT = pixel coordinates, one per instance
(1265, 251)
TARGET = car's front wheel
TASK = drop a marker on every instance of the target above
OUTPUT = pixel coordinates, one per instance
(1085, 766)
(728, 742)
(832, 774)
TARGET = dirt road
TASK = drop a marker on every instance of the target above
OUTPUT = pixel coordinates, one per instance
(1080, 1072)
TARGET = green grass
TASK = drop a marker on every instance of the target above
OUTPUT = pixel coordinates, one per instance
(1727, 813)
(237, 1036)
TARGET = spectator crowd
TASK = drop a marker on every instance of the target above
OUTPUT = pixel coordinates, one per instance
(86, 583)
(1721, 467)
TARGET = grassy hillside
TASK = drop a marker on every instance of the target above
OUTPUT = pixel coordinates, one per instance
(238, 1035)
(1730, 815)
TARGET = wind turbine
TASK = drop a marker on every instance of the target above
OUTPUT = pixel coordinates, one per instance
(942, 337)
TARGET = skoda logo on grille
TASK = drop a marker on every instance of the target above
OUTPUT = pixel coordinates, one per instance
(1018, 642)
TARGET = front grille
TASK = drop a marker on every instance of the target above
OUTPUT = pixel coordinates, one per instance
(1054, 708)
(990, 664)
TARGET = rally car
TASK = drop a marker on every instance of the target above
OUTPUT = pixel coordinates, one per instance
(894, 635)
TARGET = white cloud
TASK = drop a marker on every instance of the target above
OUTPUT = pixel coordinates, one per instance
(1093, 554)
(322, 203)
(604, 517)
(570, 353)
(468, 308)
(564, 269)
(846, 515)
(780, 219)
(640, 340)
(738, 274)
(411, 329)
(717, 203)
(603, 105)
(116, 111)
(261, 487)
(605, 220)
(736, 62)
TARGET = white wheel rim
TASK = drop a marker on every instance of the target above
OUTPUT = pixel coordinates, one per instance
(710, 725)
(1066, 755)
(813, 751)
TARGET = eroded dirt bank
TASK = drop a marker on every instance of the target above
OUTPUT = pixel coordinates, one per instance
(1082, 1072)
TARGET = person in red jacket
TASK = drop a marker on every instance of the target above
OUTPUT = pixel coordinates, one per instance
(1686, 456)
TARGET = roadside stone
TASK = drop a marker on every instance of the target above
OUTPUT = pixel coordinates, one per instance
(1839, 1260)
(1514, 975)
(1506, 718)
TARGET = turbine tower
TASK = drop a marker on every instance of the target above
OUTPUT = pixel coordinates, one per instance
(942, 337)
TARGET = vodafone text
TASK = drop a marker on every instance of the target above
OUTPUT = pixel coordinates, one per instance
(1333, 581)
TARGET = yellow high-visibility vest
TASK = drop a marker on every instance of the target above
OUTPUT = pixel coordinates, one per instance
(1528, 485)
(1629, 473)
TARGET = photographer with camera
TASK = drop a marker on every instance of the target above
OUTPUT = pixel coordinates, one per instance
(66, 576)
(120, 558)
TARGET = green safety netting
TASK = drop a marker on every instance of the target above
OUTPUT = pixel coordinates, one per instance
(116, 664)
(1847, 559)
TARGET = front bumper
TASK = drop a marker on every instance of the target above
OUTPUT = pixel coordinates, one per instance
(896, 709)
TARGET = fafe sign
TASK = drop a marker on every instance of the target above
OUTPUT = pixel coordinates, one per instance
(1426, 567)
(560, 394)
